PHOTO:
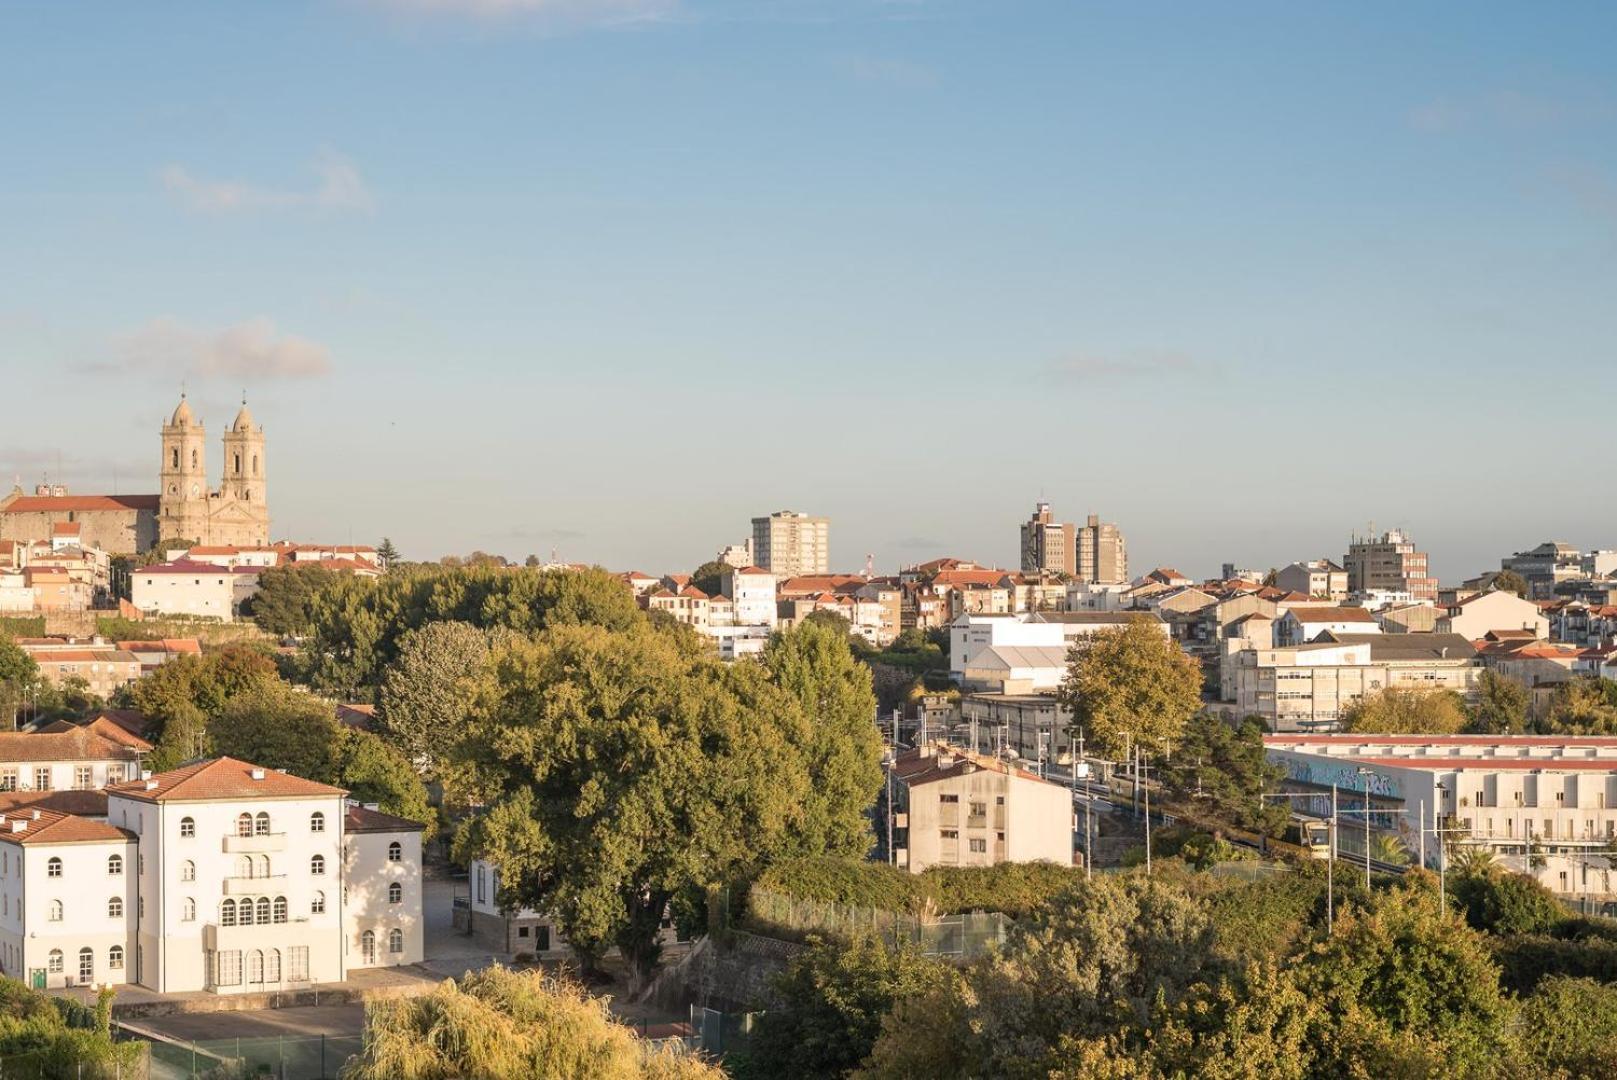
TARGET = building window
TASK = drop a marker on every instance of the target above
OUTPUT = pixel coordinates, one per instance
(227, 913)
(261, 824)
(188, 870)
(950, 834)
(272, 966)
(188, 828)
(395, 941)
(979, 845)
(244, 825)
(115, 908)
(317, 903)
(255, 966)
(53, 866)
(8, 779)
(263, 911)
(317, 864)
(86, 965)
(297, 963)
(395, 851)
(188, 910)
(115, 958)
(280, 909)
(115, 774)
(55, 911)
(83, 777)
(230, 967)
(482, 891)
(54, 964)
(395, 893)
(948, 798)
(317, 822)
(42, 779)
(244, 866)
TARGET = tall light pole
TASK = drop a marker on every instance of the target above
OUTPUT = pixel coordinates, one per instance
(1365, 773)
(1330, 863)
(1147, 762)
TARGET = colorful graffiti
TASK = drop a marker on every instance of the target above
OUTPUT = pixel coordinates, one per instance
(1323, 772)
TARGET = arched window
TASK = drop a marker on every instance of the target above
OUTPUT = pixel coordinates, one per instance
(255, 464)
(53, 866)
(236, 461)
(280, 909)
(115, 908)
(244, 866)
(188, 870)
(227, 913)
(317, 822)
(263, 911)
(317, 864)
(55, 965)
(115, 865)
(86, 964)
(175, 457)
(272, 966)
(395, 940)
(245, 912)
(261, 824)
(255, 966)
(263, 866)
(317, 903)
(115, 958)
(395, 851)
(55, 911)
(395, 893)
(188, 827)
(188, 910)
(367, 945)
(244, 825)
(193, 458)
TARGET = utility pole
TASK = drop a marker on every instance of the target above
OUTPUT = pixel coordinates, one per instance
(1147, 821)
(1364, 772)
(1330, 874)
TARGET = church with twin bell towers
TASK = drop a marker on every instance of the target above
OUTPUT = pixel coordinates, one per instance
(237, 513)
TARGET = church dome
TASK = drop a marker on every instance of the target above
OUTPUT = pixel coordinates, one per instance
(182, 414)
(243, 421)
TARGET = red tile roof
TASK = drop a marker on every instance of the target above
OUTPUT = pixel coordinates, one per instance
(54, 827)
(33, 504)
(71, 801)
(77, 744)
(362, 819)
(222, 778)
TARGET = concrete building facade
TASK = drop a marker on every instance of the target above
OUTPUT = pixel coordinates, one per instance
(952, 807)
(788, 543)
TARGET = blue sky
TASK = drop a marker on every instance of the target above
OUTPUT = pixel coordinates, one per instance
(528, 274)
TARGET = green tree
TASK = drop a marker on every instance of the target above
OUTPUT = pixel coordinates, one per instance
(1397, 710)
(1569, 1028)
(428, 692)
(1501, 707)
(1500, 902)
(840, 742)
(620, 768)
(1509, 581)
(709, 577)
(20, 680)
(1131, 685)
(829, 1006)
(284, 601)
(499, 1023)
(274, 725)
(1585, 706)
(386, 553)
(182, 695)
(374, 772)
(1223, 767)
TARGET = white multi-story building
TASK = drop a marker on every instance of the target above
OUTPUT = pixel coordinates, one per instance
(219, 876)
(197, 589)
(70, 759)
(752, 592)
(952, 807)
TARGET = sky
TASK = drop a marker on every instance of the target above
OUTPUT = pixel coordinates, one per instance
(609, 278)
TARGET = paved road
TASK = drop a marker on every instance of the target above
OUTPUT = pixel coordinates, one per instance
(337, 1020)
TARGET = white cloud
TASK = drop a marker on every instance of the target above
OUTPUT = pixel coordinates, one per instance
(251, 350)
(340, 187)
(1130, 367)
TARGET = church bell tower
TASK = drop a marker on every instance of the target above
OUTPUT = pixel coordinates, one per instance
(183, 501)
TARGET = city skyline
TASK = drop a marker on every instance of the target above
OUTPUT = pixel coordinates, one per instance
(491, 272)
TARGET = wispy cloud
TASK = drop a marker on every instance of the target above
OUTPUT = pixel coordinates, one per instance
(1507, 110)
(1129, 367)
(888, 71)
(339, 187)
(587, 12)
(251, 350)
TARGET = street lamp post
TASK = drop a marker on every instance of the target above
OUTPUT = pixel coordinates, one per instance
(1365, 773)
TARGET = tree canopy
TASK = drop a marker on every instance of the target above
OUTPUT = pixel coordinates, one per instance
(1584, 706)
(1501, 706)
(284, 603)
(1223, 767)
(1509, 581)
(1131, 685)
(1397, 710)
(428, 691)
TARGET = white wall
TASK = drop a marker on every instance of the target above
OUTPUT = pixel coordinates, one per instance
(369, 907)
(969, 634)
(28, 934)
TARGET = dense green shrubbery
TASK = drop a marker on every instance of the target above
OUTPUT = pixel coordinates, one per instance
(1012, 888)
(53, 1037)
(1526, 960)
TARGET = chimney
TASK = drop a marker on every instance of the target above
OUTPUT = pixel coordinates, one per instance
(145, 774)
(945, 759)
(258, 774)
(36, 815)
(19, 826)
(151, 785)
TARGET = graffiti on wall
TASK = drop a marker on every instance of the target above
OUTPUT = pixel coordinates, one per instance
(1343, 774)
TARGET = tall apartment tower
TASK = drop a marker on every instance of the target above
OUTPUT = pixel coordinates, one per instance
(787, 543)
(1389, 562)
(1102, 555)
(1048, 545)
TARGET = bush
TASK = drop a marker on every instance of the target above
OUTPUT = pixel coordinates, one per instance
(1525, 960)
(1499, 902)
(1015, 889)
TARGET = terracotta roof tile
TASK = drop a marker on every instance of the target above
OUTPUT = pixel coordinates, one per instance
(364, 819)
(54, 827)
(77, 744)
(222, 778)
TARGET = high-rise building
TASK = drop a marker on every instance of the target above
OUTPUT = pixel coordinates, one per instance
(787, 543)
(1102, 556)
(1389, 563)
(1048, 545)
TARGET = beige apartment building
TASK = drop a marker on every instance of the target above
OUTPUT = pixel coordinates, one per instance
(788, 544)
(952, 807)
(1389, 563)
(1102, 555)
(1308, 687)
(1318, 577)
(1048, 545)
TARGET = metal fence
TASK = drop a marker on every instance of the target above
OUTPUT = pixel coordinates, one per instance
(314, 1057)
(963, 936)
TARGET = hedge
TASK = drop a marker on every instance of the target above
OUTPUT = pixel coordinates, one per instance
(1015, 889)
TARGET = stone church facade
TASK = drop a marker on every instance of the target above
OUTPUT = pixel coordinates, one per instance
(185, 508)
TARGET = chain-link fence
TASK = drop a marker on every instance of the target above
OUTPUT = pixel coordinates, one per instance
(964, 936)
(314, 1057)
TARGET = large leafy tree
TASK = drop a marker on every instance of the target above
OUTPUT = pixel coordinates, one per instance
(1501, 707)
(1509, 581)
(620, 768)
(428, 691)
(274, 725)
(709, 577)
(375, 772)
(1222, 767)
(184, 694)
(19, 678)
(840, 742)
(1397, 710)
(285, 598)
(1586, 706)
(1131, 685)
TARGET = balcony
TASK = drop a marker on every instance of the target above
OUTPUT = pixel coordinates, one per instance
(255, 886)
(253, 845)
